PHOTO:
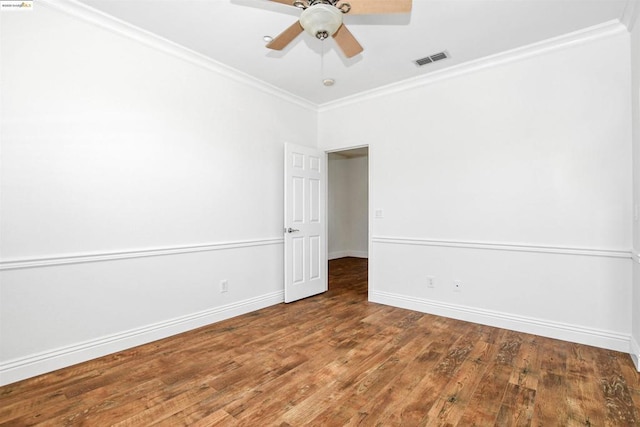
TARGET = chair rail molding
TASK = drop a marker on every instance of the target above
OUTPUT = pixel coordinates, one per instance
(52, 261)
(507, 246)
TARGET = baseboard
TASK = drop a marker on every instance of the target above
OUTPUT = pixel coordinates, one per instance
(343, 254)
(566, 332)
(634, 352)
(37, 364)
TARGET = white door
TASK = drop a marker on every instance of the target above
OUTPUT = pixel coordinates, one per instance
(305, 222)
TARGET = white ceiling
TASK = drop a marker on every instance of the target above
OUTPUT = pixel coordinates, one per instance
(231, 32)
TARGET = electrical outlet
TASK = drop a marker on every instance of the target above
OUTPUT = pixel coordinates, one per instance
(431, 282)
(457, 286)
(224, 286)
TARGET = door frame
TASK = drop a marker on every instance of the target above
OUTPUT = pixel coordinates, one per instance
(370, 254)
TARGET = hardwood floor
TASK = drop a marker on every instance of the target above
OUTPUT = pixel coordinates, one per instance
(334, 360)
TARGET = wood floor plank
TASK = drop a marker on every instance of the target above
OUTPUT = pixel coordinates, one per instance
(336, 359)
(386, 407)
(621, 409)
(366, 389)
(425, 395)
(552, 406)
(517, 406)
(582, 397)
(454, 398)
(526, 372)
(485, 403)
(344, 373)
(164, 407)
(201, 418)
(291, 388)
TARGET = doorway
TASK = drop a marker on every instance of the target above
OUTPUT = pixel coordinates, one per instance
(348, 203)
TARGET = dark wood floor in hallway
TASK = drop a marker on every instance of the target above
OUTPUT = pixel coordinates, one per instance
(333, 360)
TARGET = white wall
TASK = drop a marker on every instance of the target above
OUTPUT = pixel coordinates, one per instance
(514, 178)
(132, 182)
(348, 200)
(635, 100)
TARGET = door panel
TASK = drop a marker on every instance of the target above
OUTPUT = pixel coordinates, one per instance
(314, 257)
(298, 200)
(314, 200)
(298, 260)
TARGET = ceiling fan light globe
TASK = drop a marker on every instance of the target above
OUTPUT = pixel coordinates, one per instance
(321, 20)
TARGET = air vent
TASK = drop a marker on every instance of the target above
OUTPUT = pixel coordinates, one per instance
(432, 58)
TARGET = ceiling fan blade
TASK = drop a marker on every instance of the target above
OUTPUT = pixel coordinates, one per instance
(371, 7)
(286, 37)
(347, 43)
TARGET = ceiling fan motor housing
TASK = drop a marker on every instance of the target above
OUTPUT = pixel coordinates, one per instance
(321, 20)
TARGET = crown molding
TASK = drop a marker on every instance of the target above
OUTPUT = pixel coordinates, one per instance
(105, 21)
(586, 35)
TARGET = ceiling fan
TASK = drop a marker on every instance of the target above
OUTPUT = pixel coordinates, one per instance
(323, 18)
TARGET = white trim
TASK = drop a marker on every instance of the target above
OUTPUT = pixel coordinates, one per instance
(636, 257)
(131, 254)
(343, 254)
(563, 331)
(511, 247)
(347, 148)
(561, 42)
(36, 364)
(93, 16)
(634, 352)
(631, 14)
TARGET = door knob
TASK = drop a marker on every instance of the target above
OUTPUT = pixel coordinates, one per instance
(291, 230)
